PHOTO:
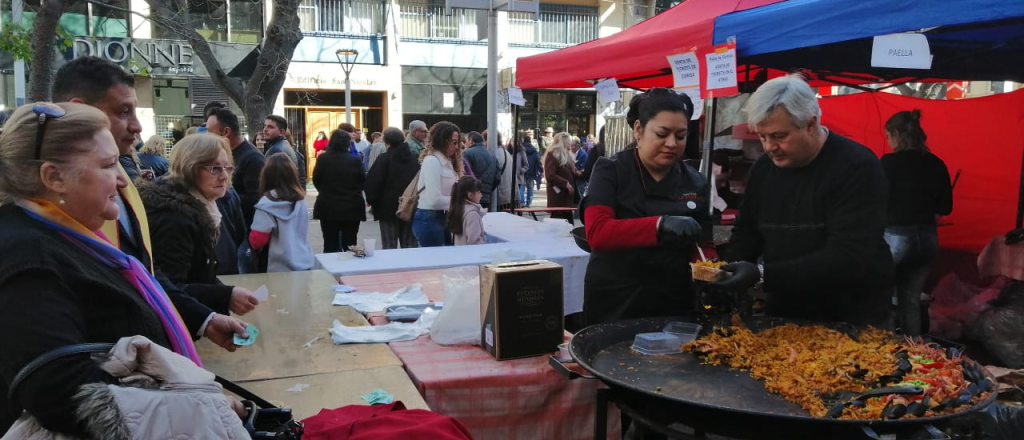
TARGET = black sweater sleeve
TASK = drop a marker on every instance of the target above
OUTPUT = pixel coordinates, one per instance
(855, 218)
(746, 242)
(174, 247)
(39, 313)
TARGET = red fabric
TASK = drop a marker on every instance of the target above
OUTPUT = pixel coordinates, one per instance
(258, 239)
(320, 145)
(634, 52)
(382, 422)
(982, 136)
(605, 233)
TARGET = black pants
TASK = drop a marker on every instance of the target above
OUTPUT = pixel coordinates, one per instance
(338, 234)
(394, 232)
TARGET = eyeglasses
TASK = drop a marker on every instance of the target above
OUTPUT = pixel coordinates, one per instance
(216, 170)
(45, 113)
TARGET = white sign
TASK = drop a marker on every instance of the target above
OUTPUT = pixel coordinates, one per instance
(685, 69)
(449, 100)
(904, 51)
(608, 90)
(698, 104)
(515, 96)
(721, 69)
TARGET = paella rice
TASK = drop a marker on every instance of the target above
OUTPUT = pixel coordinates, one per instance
(804, 364)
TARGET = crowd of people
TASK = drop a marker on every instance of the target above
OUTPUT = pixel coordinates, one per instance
(116, 242)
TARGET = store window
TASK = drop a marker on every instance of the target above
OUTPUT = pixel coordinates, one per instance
(246, 21)
(210, 19)
(109, 19)
(572, 112)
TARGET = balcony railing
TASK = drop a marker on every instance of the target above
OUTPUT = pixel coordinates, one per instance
(557, 25)
(427, 20)
(339, 17)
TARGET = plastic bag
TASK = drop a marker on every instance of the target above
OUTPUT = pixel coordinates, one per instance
(458, 323)
(1001, 329)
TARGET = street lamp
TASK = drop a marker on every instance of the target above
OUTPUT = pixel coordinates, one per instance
(347, 58)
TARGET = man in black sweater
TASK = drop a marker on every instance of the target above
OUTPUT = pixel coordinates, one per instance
(814, 212)
(248, 161)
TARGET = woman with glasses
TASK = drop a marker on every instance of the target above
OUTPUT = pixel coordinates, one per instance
(61, 281)
(185, 221)
(440, 167)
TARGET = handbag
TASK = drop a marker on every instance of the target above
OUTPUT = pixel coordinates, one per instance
(409, 199)
(264, 421)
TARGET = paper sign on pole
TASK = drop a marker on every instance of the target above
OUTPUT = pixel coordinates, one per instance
(721, 67)
(608, 90)
(685, 69)
(515, 96)
(698, 103)
(904, 51)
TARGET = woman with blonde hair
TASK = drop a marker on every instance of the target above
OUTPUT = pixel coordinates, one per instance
(151, 156)
(560, 172)
(440, 167)
(185, 221)
(62, 282)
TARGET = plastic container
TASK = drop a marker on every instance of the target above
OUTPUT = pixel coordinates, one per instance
(408, 313)
(686, 331)
(563, 352)
(657, 343)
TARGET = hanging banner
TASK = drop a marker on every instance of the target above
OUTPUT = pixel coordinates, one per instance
(685, 69)
(515, 96)
(608, 90)
(721, 70)
(901, 51)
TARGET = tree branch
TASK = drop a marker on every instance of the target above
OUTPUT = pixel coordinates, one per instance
(43, 31)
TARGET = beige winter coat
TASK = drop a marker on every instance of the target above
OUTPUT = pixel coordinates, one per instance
(162, 395)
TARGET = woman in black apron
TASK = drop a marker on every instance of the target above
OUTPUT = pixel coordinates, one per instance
(645, 212)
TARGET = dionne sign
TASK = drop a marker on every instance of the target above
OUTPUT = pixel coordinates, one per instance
(158, 56)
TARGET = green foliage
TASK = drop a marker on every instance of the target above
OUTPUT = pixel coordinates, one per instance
(17, 40)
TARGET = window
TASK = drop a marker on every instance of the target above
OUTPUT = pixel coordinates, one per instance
(82, 18)
(664, 5)
(109, 21)
(210, 19)
(557, 24)
(363, 17)
(246, 21)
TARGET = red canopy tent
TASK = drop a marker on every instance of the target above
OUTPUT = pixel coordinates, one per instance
(680, 29)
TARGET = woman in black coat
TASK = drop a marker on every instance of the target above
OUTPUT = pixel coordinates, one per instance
(339, 178)
(390, 174)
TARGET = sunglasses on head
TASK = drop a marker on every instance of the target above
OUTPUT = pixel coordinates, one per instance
(45, 113)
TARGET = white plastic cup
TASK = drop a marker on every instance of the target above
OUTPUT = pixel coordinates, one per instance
(369, 245)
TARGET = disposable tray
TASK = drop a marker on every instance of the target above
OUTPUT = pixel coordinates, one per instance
(657, 343)
(686, 331)
(408, 313)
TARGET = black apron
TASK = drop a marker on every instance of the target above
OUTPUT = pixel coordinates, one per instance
(651, 281)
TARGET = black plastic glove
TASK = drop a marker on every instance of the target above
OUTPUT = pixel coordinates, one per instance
(677, 230)
(740, 275)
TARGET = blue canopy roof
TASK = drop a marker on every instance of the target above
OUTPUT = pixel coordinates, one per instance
(969, 39)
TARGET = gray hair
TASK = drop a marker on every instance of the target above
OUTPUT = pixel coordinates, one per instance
(416, 124)
(791, 93)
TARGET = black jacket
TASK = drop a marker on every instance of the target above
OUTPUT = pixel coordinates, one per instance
(919, 188)
(246, 179)
(339, 179)
(485, 168)
(233, 232)
(51, 295)
(184, 242)
(388, 178)
(158, 164)
(533, 160)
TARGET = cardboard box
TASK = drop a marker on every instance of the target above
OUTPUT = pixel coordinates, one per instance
(521, 308)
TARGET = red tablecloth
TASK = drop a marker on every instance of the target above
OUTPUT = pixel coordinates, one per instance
(520, 399)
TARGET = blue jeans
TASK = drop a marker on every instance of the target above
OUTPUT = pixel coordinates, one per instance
(428, 227)
(527, 198)
(913, 250)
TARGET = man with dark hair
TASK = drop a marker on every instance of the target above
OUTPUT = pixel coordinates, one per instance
(177, 135)
(275, 129)
(484, 166)
(104, 85)
(248, 160)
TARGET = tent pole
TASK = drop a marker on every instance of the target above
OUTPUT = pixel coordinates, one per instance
(709, 136)
(516, 203)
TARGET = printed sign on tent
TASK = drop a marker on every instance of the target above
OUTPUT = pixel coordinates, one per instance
(685, 69)
(608, 90)
(515, 96)
(721, 68)
(698, 103)
(904, 51)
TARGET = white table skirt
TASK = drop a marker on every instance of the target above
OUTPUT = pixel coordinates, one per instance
(561, 250)
(504, 227)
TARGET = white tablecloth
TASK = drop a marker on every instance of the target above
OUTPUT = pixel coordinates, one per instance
(561, 250)
(504, 227)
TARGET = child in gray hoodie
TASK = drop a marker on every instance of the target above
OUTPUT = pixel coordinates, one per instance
(465, 215)
(282, 217)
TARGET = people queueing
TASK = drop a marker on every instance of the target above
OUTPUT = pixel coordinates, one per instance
(440, 167)
(247, 160)
(483, 164)
(386, 180)
(275, 132)
(560, 173)
(282, 217)
(417, 137)
(339, 179)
